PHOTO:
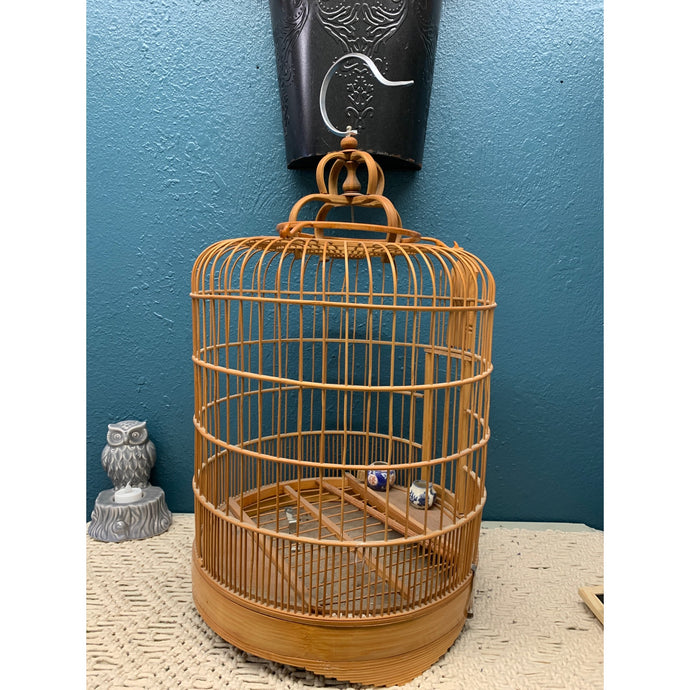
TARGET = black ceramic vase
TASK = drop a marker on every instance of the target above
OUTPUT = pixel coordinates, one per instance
(399, 36)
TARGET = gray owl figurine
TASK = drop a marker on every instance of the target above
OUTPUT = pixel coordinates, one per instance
(129, 455)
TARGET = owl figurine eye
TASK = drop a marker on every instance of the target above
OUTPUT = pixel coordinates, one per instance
(138, 434)
(115, 436)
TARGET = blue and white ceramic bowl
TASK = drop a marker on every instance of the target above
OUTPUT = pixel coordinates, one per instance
(378, 478)
(422, 494)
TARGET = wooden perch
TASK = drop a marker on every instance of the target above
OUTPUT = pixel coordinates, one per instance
(341, 534)
(290, 578)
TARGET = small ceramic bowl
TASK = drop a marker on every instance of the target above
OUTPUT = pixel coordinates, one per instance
(422, 494)
(378, 478)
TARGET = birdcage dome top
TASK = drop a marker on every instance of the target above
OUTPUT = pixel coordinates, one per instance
(435, 272)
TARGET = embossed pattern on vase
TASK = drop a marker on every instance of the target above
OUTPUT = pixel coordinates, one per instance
(361, 27)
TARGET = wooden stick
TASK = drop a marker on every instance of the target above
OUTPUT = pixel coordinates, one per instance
(428, 415)
(368, 508)
(399, 517)
(339, 532)
(379, 501)
(295, 582)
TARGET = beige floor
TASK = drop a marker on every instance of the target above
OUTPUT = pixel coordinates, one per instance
(530, 628)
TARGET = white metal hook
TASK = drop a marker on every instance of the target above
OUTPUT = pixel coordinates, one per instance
(327, 80)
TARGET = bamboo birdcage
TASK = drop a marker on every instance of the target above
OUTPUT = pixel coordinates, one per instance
(317, 352)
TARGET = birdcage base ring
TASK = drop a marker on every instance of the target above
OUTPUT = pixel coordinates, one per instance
(380, 652)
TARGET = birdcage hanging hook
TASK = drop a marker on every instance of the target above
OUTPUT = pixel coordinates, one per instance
(327, 80)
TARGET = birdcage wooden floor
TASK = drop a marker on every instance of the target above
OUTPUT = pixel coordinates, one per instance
(378, 615)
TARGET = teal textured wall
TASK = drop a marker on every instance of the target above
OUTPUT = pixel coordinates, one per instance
(185, 146)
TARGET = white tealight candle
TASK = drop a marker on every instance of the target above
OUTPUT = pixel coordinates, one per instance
(129, 494)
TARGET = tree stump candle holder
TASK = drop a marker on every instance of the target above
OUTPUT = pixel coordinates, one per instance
(113, 521)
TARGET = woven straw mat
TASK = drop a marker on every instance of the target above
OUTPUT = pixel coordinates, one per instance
(530, 628)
